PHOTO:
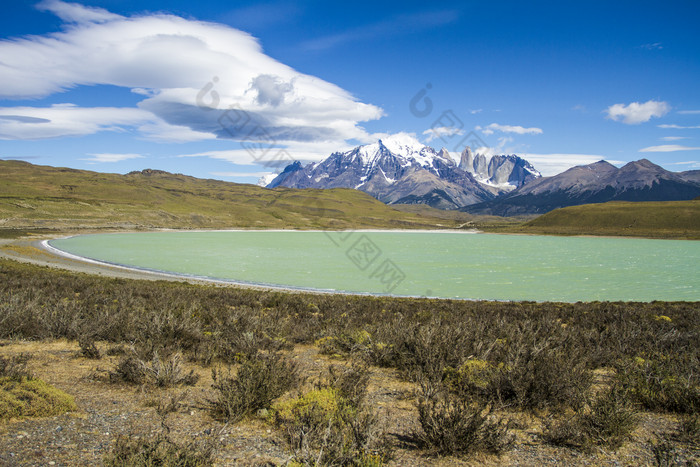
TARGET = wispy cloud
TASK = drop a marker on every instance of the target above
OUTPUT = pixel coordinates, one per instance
(76, 13)
(673, 138)
(398, 25)
(636, 112)
(652, 46)
(689, 112)
(668, 148)
(517, 129)
(59, 120)
(678, 127)
(439, 132)
(475, 111)
(107, 157)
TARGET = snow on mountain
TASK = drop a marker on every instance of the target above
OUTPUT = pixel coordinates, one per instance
(504, 172)
(400, 169)
(266, 179)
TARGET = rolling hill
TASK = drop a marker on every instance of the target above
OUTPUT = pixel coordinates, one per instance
(33, 196)
(657, 219)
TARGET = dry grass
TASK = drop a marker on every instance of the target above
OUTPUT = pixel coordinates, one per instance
(529, 362)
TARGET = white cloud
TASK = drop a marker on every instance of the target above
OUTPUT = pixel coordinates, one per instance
(635, 112)
(276, 157)
(678, 127)
(652, 46)
(673, 138)
(439, 132)
(689, 112)
(475, 111)
(241, 174)
(490, 129)
(668, 148)
(29, 123)
(553, 164)
(107, 157)
(189, 72)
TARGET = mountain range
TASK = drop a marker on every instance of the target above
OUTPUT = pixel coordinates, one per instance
(599, 182)
(401, 170)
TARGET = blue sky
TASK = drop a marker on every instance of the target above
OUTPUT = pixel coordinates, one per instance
(234, 90)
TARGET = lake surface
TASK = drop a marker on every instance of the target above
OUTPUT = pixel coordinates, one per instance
(447, 265)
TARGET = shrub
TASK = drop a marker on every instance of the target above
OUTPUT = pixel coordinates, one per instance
(351, 383)
(455, 426)
(131, 450)
(540, 377)
(161, 372)
(15, 367)
(88, 349)
(324, 428)
(607, 422)
(257, 383)
(664, 382)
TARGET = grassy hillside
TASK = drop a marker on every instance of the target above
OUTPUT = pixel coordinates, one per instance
(667, 219)
(34, 196)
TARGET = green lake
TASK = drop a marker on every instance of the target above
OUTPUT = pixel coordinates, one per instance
(433, 264)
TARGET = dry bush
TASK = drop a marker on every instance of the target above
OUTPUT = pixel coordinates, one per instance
(255, 385)
(161, 372)
(455, 426)
(663, 382)
(159, 450)
(608, 421)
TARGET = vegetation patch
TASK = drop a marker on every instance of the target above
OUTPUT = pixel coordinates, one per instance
(32, 397)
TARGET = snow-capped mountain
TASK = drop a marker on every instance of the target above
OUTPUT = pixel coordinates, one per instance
(399, 169)
(504, 172)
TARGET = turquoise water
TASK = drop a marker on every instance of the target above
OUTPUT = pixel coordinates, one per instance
(447, 265)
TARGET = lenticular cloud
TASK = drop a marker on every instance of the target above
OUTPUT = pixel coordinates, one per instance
(172, 61)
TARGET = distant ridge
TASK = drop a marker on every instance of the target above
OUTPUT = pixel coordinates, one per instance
(33, 196)
(599, 182)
